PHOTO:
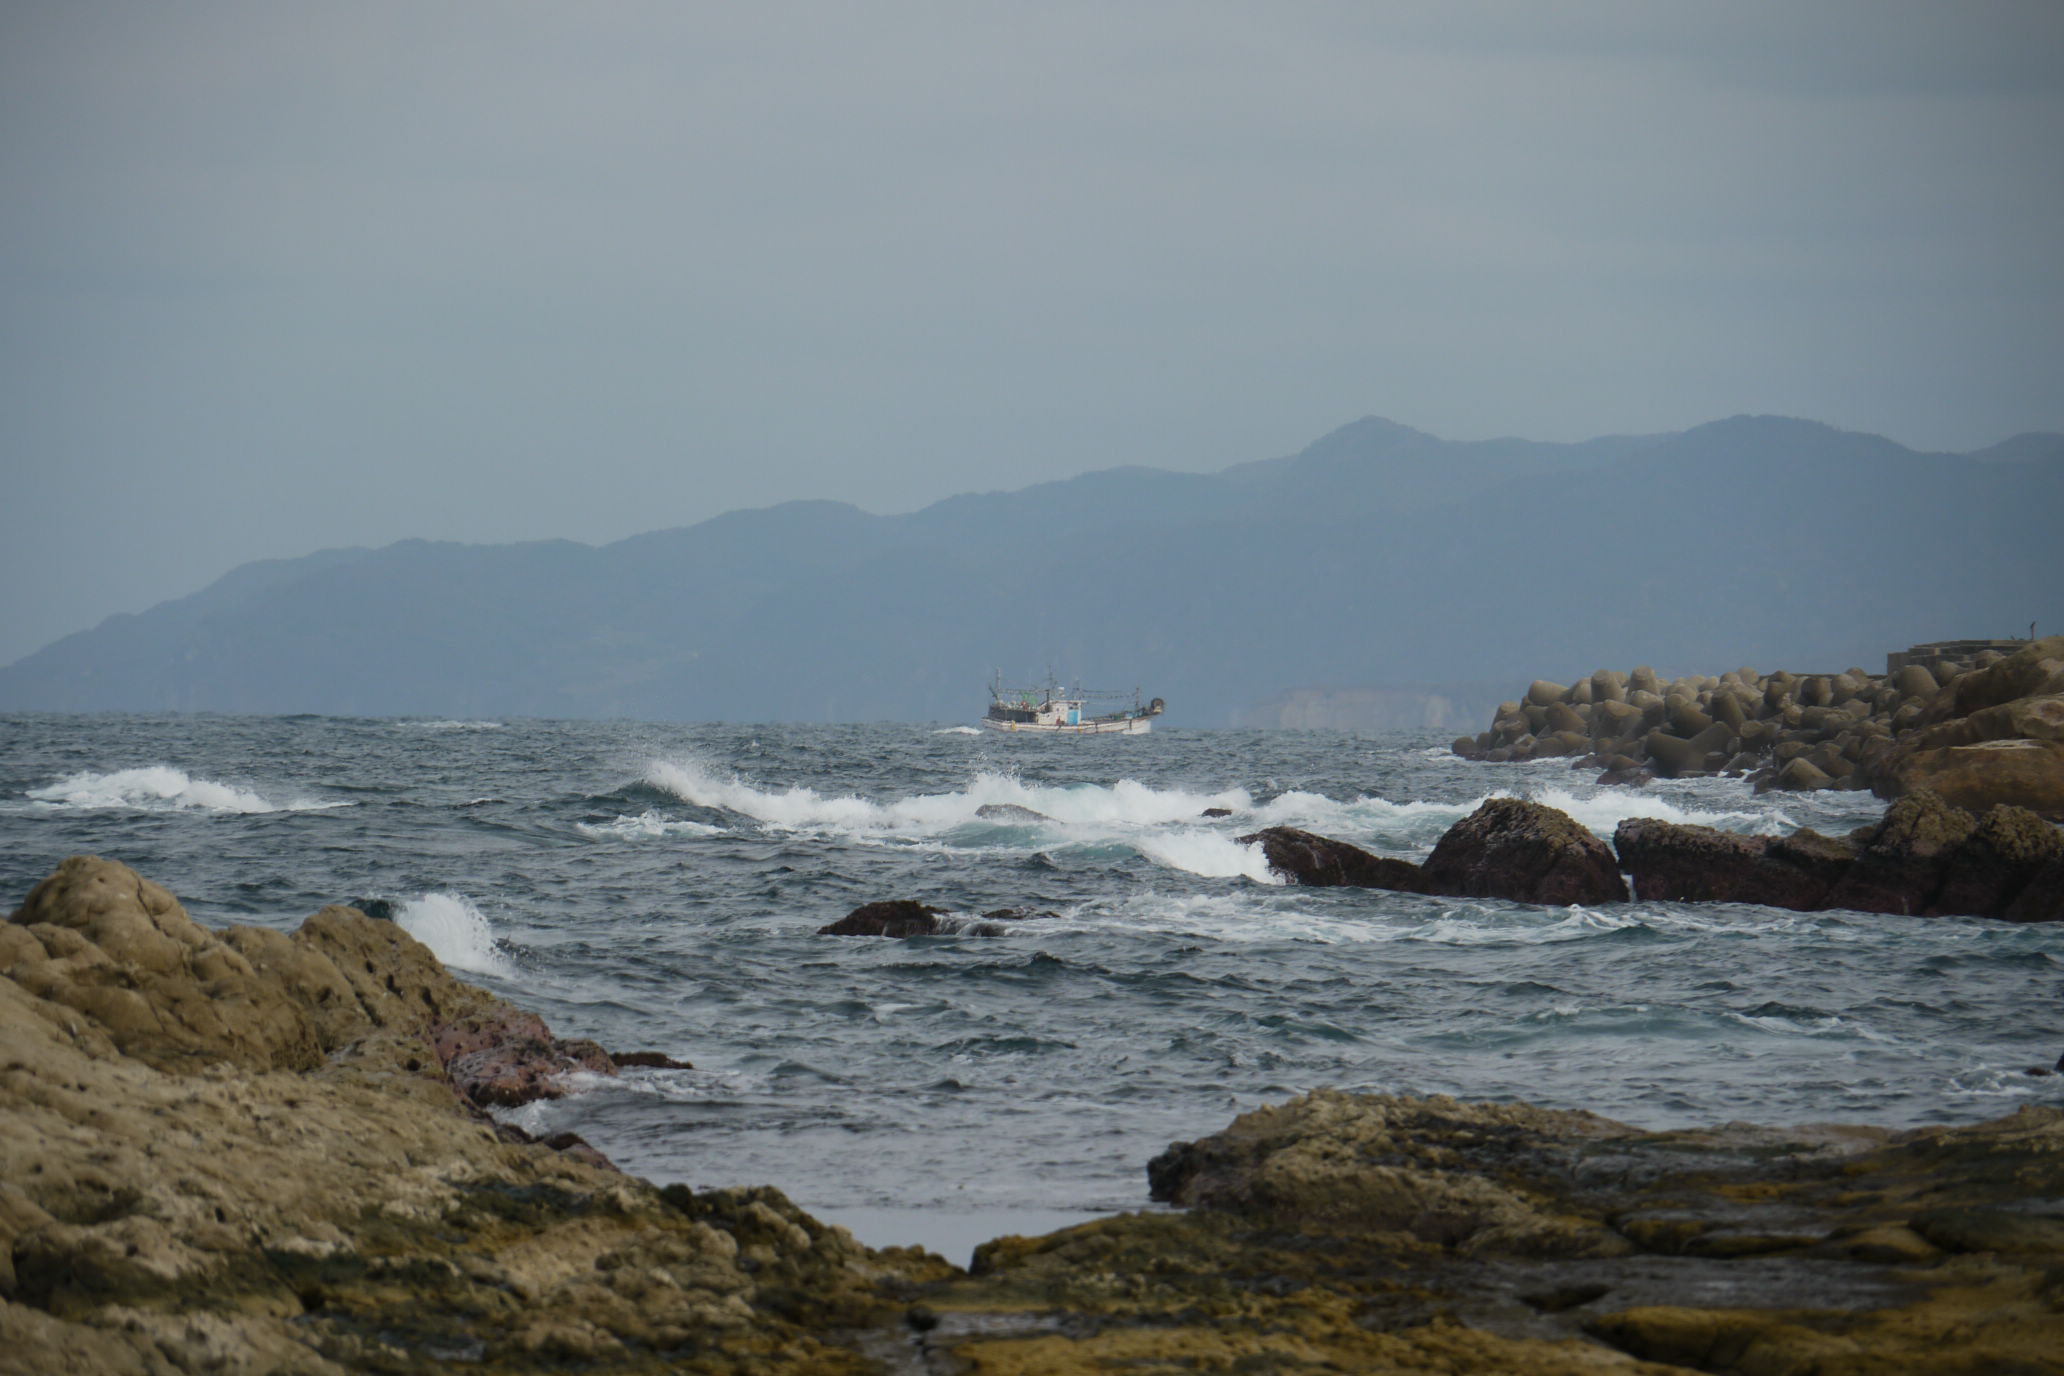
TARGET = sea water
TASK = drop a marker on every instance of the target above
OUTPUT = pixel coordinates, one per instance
(659, 887)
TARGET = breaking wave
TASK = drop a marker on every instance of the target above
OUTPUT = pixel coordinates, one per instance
(456, 932)
(160, 787)
(1125, 803)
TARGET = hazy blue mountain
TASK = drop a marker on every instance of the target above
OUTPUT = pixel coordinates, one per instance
(1379, 555)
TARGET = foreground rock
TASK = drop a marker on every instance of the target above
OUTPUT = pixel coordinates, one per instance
(1923, 858)
(1355, 1233)
(251, 1152)
(1977, 726)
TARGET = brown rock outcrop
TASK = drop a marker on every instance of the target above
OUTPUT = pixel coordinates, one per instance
(241, 1152)
(1343, 1232)
(1673, 862)
(1526, 851)
(1922, 857)
(99, 938)
(1905, 857)
(1305, 858)
(2022, 773)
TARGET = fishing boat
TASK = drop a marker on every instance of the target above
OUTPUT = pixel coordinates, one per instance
(1054, 711)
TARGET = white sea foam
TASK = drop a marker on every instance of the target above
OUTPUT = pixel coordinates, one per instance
(958, 731)
(1598, 812)
(646, 825)
(449, 725)
(456, 932)
(161, 787)
(1082, 811)
(1208, 853)
(1606, 809)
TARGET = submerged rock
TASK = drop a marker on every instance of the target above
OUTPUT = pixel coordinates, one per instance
(904, 917)
(1009, 812)
(894, 917)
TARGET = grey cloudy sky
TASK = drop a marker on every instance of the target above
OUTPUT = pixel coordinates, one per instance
(278, 277)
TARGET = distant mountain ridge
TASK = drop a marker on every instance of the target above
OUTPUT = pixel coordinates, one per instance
(1379, 555)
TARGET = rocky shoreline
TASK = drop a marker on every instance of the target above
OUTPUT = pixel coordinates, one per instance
(1978, 731)
(1924, 858)
(247, 1151)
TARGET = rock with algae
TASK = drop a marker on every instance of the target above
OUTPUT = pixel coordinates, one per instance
(1343, 1232)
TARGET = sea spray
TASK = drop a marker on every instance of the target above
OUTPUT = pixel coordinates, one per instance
(456, 931)
(159, 786)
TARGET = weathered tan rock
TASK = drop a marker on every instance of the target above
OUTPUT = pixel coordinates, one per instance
(1376, 1233)
(2035, 671)
(1376, 1163)
(2017, 773)
(203, 1197)
(1801, 775)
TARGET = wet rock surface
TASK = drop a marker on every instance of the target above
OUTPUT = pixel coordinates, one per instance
(1507, 848)
(894, 917)
(900, 918)
(1525, 851)
(1344, 1232)
(1305, 858)
(1923, 857)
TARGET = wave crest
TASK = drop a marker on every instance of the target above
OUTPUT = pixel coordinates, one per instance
(160, 787)
(456, 931)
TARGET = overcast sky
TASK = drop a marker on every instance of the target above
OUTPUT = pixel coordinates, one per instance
(281, 277)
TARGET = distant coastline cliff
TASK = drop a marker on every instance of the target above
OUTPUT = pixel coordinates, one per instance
(1378, 556)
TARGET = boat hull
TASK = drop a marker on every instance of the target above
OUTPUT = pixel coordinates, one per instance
(1128, 726)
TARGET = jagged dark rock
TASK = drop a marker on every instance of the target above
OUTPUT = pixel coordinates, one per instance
(1922, 857)
(896, 917)
(647, 1060)
(1305, 858)
(1526, 851)
(1674, 862)
(1905, 857)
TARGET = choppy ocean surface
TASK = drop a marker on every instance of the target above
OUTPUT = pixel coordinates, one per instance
(659, 887)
